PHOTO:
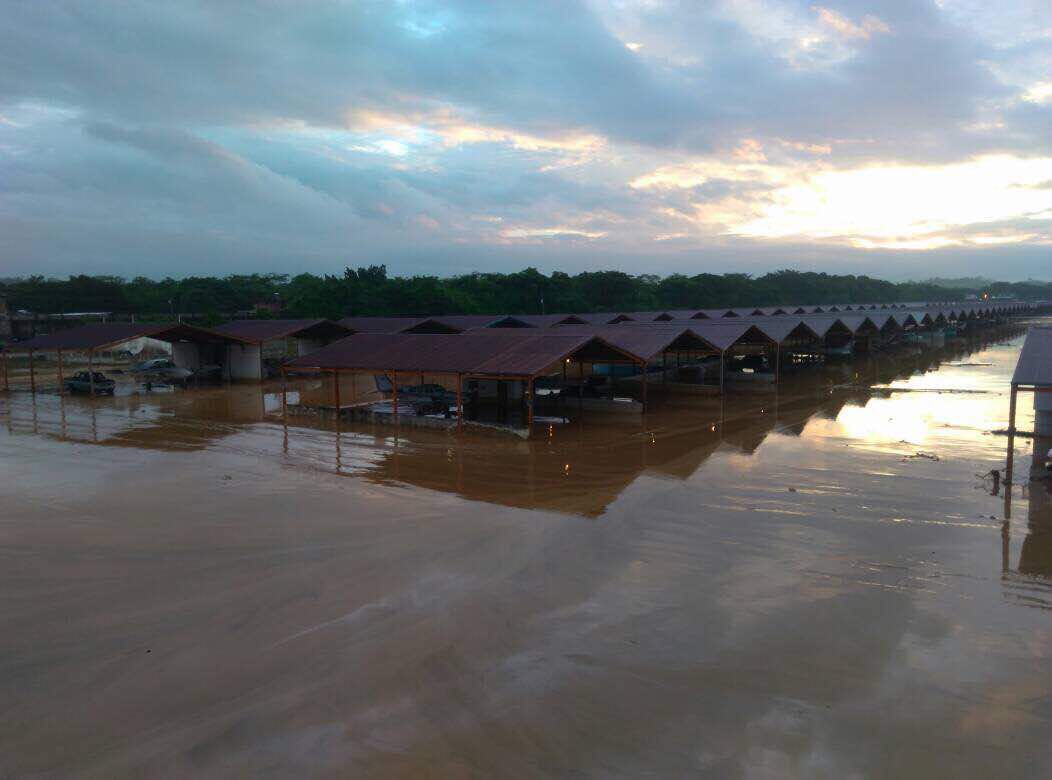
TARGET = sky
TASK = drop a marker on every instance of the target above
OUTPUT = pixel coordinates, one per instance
(895, 138)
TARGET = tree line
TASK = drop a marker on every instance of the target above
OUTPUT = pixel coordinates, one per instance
(371, 291)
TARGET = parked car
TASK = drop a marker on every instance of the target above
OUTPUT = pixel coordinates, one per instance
(81, 382)
(425, 399)
(210, 372)
(162, 371)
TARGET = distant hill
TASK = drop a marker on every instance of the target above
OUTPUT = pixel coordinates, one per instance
(960, 283)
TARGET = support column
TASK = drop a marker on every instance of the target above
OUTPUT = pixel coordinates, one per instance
(336, 390)
(644, 386)
(284, 394)
(723, 359)
(777, 363)
(91, 371)
(580, 389)
(460, 402)
(7, 382)
(394, 395)
(529, 404)
(32, 374)
(61, 377)
(1011, 438)
(562, 392)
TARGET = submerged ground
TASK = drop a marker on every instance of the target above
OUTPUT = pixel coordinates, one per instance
(819, 583)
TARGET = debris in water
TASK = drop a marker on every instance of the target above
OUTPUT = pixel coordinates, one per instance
(920, 454)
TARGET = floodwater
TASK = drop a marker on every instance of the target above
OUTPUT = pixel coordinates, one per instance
(818, 583)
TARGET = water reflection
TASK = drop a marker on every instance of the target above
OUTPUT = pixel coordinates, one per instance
(774, 589)
(888, 403)
(1031, 582)
(903, 403)
(1035, 556)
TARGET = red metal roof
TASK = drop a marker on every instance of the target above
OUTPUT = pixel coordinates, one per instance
(650, 339)
(379, 324)
(551, 320)
(490, 352)
(726, 332)
(437, 323)
(261, 331)
(782, 327)
(716, 314)
(678, 314)
(604, 317)
(103, 335)
(466, 321)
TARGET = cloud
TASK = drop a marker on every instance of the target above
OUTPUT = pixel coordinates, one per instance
(663, 131)
(868, 26)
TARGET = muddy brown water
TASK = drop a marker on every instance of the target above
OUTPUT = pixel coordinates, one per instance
(816, 583)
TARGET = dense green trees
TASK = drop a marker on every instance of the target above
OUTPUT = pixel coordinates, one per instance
(370, 290)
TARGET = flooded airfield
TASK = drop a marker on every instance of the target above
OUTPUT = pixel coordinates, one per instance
(823, 581)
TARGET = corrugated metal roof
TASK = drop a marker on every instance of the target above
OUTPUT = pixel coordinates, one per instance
(771, 311)
(880, 319)
(681, 314)
(782, 327)
(491, 352)
(261, 331)
(438, 323)
(604, 317)
(645, 316)
(466, 321)
(102, 335)
(1035, 359)
(857, 322)
(725, 333)
(650, 339)
(379, 324)
(715, 314)
(823, 323)
(551, 320)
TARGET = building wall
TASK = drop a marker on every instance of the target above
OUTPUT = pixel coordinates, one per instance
(488, 389)
(186, 355)
(245, 361)
(279, 349)
(5, 320)
(1043, 414)
(306, 346)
